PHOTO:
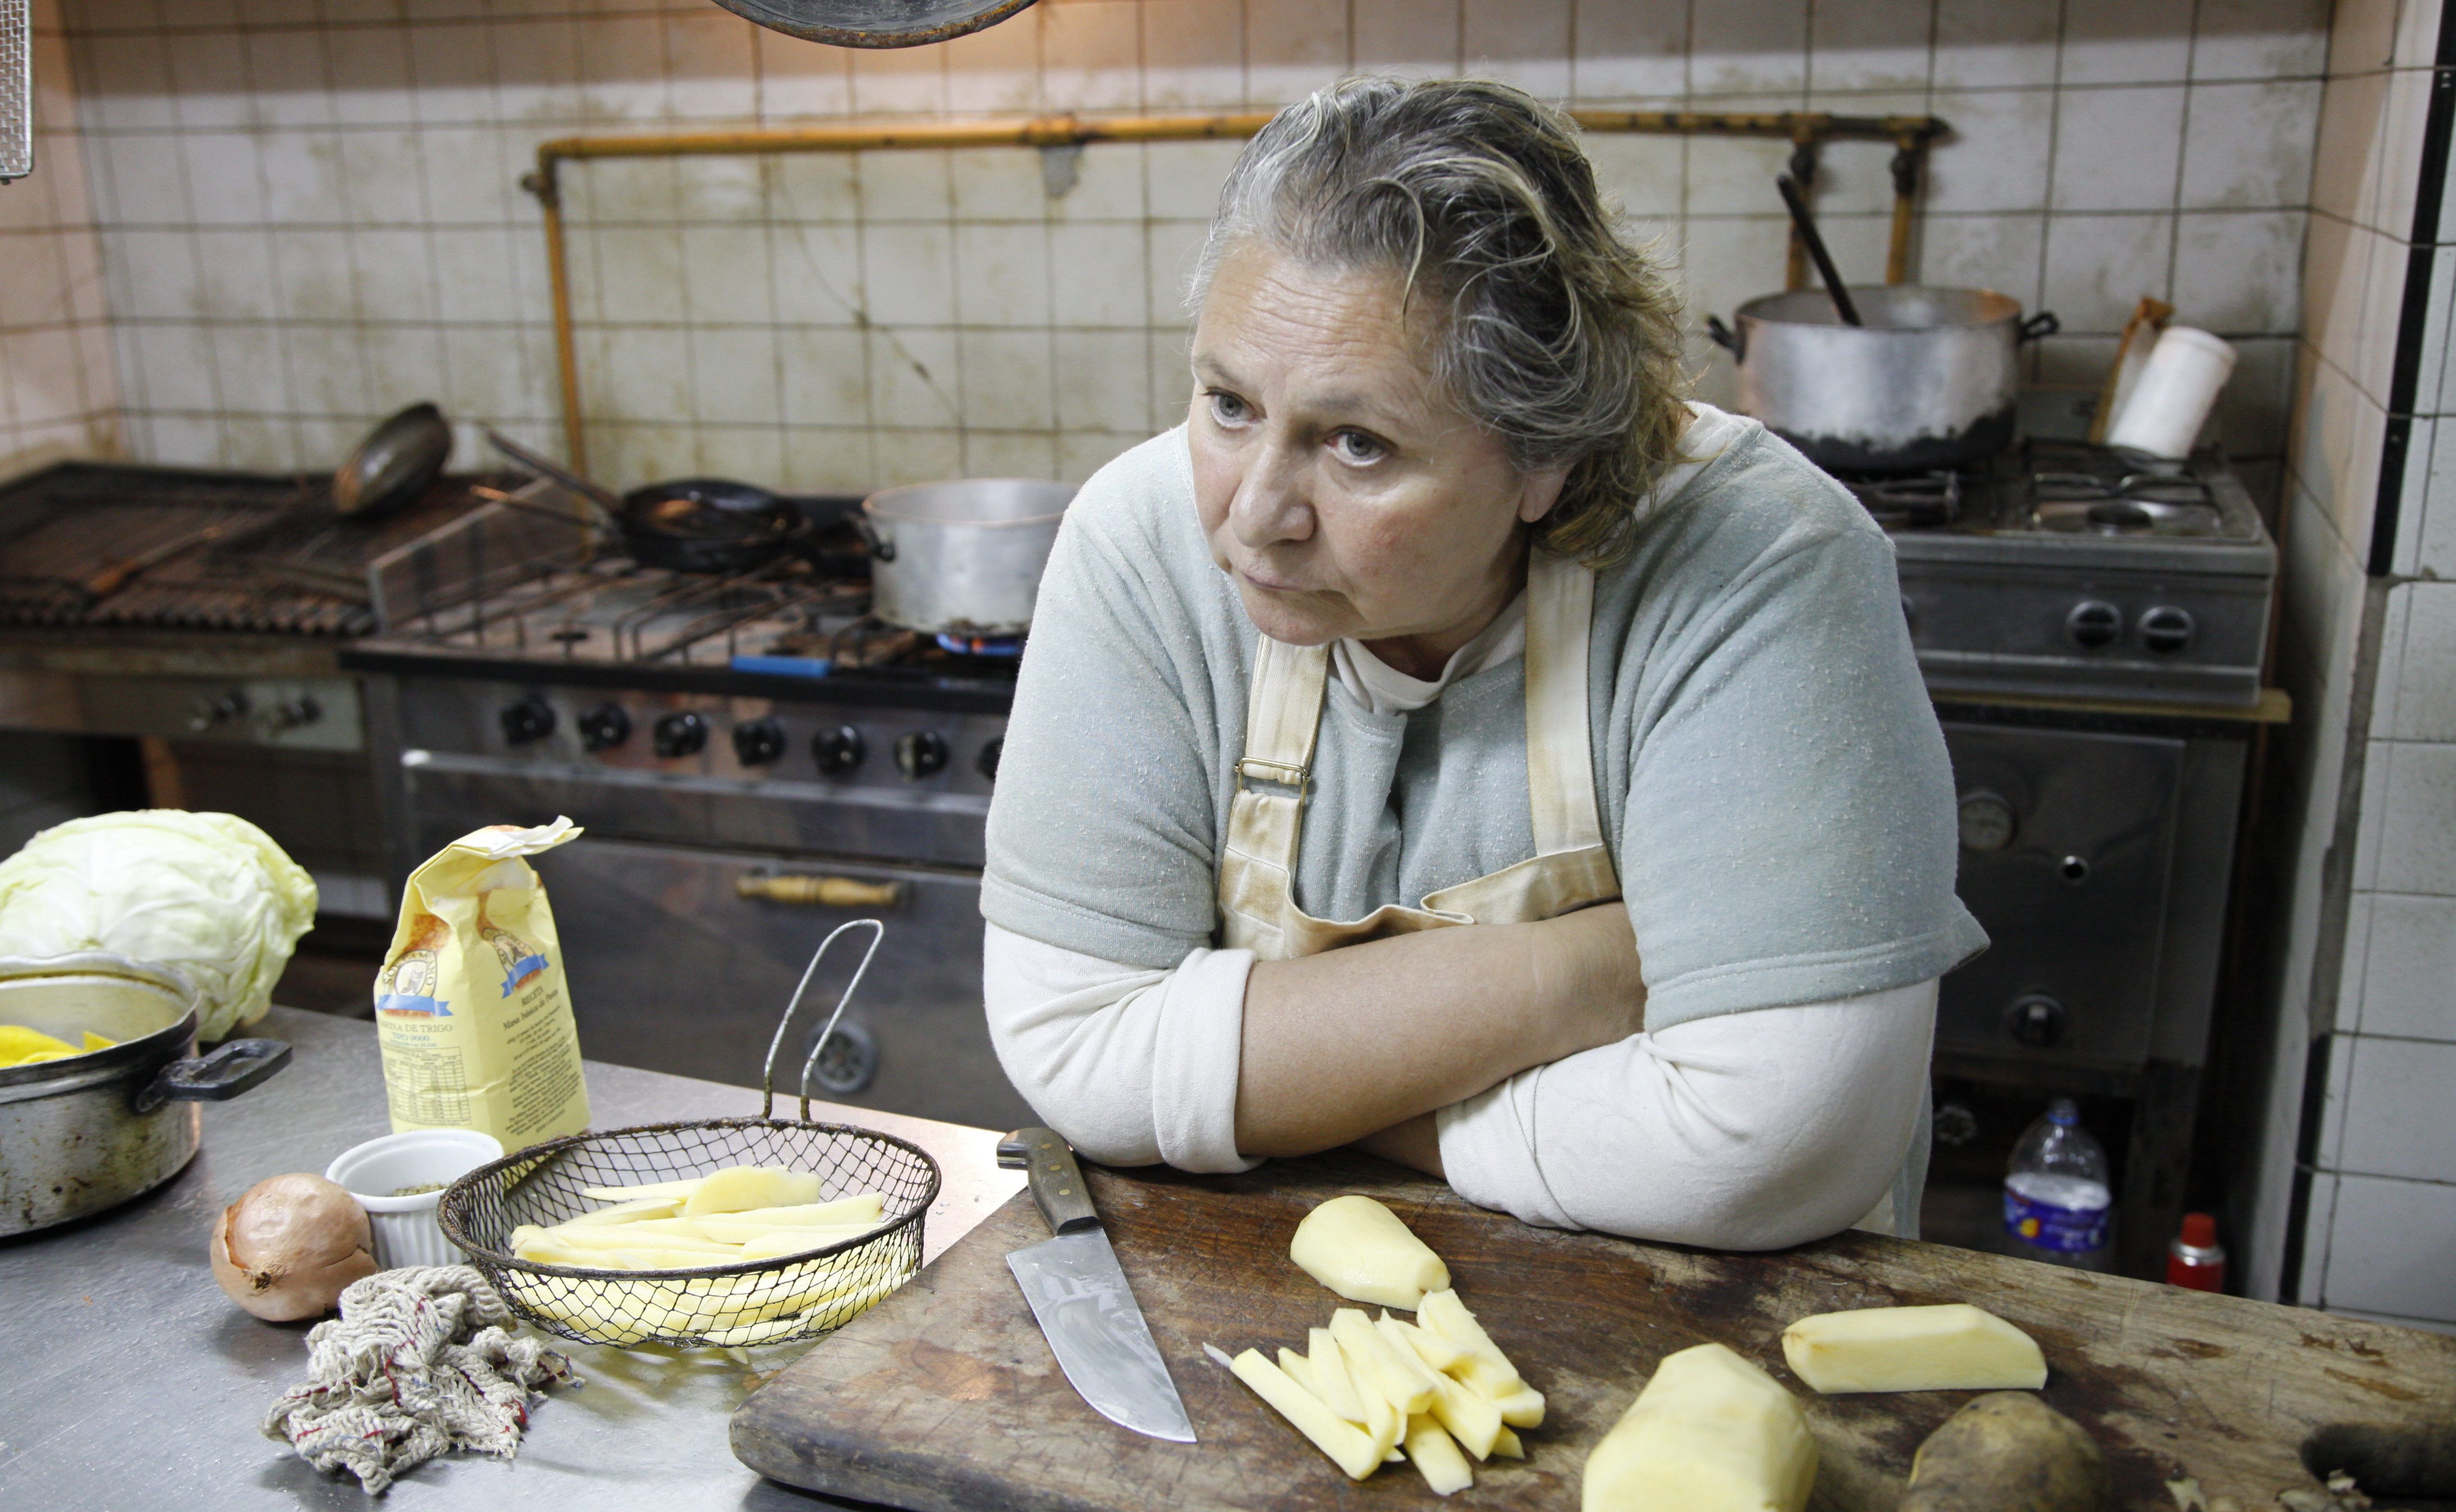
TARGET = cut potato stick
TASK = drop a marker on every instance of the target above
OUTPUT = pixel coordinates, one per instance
(1444, 1469)
(1375, 1366)
(632, 1237)
(1471, 1419)
(1506, 1445)
(1343, 1441)
(738, 1189)
(1489, 1370)
(1434, 1350)
(624, 1212)
(1332, 1385)
(865, 1210)
(742, 1229)
(678, 1190)
(1299, 1370)
(777, 1243)
(1523, 1408)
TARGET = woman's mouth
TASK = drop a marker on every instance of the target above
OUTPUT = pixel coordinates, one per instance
(1267, 583)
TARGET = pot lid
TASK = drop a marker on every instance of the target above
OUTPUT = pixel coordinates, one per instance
(876, 23)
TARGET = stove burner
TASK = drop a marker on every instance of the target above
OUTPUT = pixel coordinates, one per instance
(2130, 516)
(982, 644)
(1930, 499)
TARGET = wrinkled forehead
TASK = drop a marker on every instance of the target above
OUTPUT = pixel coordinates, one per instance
(1273, 316)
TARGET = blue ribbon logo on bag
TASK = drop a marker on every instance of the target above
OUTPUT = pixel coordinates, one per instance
(520, 959)
(405, 987)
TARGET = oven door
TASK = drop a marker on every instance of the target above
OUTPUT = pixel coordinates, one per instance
(672, 968)
(2067, 855)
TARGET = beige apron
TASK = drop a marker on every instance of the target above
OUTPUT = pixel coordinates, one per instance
(1571, 867)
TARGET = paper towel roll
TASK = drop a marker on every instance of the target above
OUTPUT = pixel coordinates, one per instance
(2177, 389)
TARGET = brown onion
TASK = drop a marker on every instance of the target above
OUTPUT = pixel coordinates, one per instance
(286, 1248)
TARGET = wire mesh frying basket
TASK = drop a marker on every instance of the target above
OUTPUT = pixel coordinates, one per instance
(772, 1301)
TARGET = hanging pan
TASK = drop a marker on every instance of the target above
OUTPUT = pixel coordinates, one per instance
(876, 23)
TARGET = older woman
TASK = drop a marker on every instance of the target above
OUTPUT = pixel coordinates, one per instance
(1452, 742)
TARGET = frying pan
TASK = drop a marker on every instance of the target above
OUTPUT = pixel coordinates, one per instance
(876, 23)
(711, 524)
(398, 461)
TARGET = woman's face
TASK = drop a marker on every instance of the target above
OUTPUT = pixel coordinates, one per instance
(1341, 490)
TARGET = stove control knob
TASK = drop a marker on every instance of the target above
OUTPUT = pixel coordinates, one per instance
(838, 751)
(986, 762)
(2094, 624)
(2166, 629)
(758, 741)
(603, 726)
(1987, 822)
(680, 734)
(530, 719)
(922, 753)
(2039, 1021)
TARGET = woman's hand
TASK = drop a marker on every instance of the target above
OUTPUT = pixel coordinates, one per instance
(1350, 1042)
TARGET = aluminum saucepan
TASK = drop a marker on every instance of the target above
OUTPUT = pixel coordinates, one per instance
(91, 1132)
(1927, 382)
(962, 558)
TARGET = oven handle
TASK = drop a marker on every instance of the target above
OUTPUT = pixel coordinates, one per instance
(830, 893)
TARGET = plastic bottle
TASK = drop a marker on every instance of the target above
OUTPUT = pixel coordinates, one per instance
(2056, 1195)
(2196, 1259)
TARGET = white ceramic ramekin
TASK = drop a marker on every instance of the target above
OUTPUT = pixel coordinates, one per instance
(405, 1230)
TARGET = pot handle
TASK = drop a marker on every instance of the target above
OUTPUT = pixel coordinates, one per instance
(2043, 323)
(881, 549)
(1722, 336)
(229, 1070)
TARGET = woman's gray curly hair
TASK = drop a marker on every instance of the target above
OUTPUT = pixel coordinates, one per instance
(1559, 336)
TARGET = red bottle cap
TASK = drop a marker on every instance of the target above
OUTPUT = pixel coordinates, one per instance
(2199, 1230)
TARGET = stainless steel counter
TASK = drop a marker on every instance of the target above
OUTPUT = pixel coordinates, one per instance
(128, 1381)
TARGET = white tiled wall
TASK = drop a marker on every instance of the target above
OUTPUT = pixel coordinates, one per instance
(310, 213)
(56, 392)
(2379, 1235)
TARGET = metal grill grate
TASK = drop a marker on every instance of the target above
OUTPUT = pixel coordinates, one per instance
(16, 89)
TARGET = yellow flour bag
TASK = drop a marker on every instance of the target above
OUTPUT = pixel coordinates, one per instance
(470, 1005)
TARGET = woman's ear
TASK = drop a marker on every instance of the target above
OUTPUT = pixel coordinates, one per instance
(1542, 491)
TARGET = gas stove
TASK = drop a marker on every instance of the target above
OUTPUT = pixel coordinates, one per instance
(2066, 570)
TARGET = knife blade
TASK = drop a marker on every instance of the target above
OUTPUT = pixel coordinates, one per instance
(1080, 1298)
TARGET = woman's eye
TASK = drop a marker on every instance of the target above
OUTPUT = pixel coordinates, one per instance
(1355, 446)
(1228, 409)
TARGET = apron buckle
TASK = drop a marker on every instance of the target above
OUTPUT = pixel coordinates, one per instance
(1286, 774)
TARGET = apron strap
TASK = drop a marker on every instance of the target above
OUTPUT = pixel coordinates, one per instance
(1283, 713)
(1560, 761)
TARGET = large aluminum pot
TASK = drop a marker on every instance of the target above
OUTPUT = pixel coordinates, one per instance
(962, 558)
(1927, 382)
(88, 1132)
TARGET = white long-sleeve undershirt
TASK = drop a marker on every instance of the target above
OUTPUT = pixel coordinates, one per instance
(1742, 1131)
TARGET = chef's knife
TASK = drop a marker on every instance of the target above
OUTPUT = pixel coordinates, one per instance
(1082, 1300)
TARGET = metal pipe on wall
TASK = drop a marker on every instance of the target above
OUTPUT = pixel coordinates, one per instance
(1805, 130)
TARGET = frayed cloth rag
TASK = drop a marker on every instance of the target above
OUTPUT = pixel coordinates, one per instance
(417, 1363)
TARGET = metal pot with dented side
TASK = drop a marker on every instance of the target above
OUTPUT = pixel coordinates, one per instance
(1927, 382)
(88, 1132)
(962, 558)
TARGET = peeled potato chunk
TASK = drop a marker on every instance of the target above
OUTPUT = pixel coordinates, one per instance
(1711, 1433)
(1359, 1249)
(1376, 1367)
(738, 1188)
(1955, 1346)
(1436, 1457)
(1346, 1445)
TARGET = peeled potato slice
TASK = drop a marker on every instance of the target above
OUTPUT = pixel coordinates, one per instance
(1359, 1249)
(633, 1211)
(777, 1243)
(1376, 1367)
(1343, 1441)
(1330, 1371)
(1444, 1469)
(678, 1190)
(738, 1188)
(1711, 1433)
(1955, 1346)
(1473, 1421)
(1505, 1444)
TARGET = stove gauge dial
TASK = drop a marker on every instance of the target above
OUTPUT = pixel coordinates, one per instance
(1987, 822)
(2166, 629)
(530, 719)
(838, 751)
(922, 753)
(2094, 624)
(758, 741)
(2039, 1021)
(680, 734)
(603, 726)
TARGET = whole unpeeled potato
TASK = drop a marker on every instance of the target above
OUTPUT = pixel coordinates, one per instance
(2008, 1452)
(287, 1248)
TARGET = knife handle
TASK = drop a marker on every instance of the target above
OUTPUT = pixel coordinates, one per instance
(1057, 1181)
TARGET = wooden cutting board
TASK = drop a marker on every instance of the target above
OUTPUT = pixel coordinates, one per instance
(945, 1397)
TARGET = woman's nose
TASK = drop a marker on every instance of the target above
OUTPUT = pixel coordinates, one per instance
(1271, 504)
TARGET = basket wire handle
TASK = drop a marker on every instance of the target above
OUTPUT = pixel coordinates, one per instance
(767, 1074)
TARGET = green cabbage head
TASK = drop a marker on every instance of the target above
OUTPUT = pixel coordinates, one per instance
(210, 895)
